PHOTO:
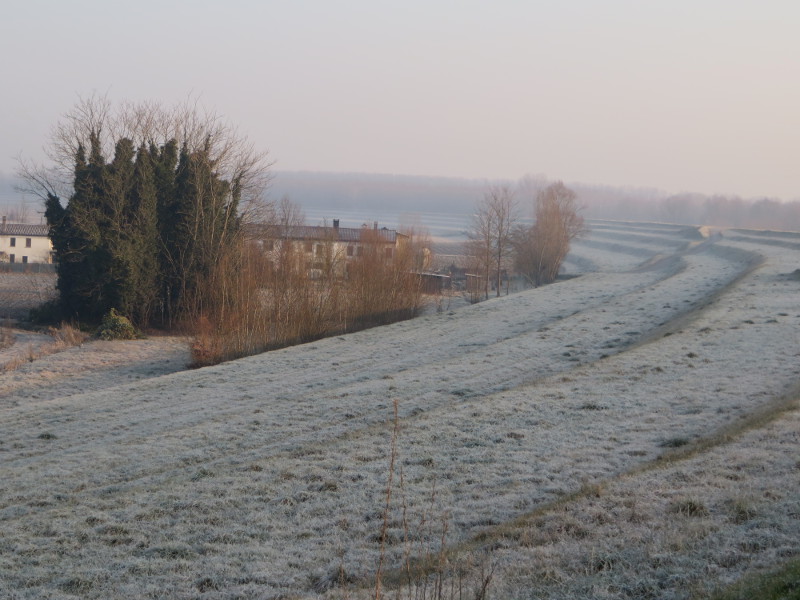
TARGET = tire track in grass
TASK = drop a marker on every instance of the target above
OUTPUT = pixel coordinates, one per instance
(498, 543)
(198, 493)
(293, 440)
(516, 372)
(757, 419)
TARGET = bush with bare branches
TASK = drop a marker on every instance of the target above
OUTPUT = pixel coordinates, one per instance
(255, 302)
(490, 237)
(542, 247)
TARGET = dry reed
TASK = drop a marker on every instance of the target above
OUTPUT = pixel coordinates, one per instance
(252, 302)
(65, 336)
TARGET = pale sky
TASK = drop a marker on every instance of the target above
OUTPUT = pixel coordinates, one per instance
(681, 95)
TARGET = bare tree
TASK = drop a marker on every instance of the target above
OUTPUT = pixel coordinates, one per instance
(541, 248)
(490, 234)
(171, 203)
(188, 124)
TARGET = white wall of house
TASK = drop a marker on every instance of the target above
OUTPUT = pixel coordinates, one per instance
(21, 244)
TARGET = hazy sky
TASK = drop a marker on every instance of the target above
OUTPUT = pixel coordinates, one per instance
(683, 95)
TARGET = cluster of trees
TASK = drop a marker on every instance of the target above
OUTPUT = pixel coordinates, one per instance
(540, 249)
(144, 231)
(141, 231)
(157, 226)
(500, 242)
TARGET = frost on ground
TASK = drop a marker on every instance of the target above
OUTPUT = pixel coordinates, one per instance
(93, 366)
(19, 292)
(267, 476)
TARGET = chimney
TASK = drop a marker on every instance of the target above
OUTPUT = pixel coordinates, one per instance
(4, 223)
(336, 223)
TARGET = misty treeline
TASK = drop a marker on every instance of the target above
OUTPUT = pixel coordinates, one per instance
(501, 243)
(157, 224)
(354, 191)
(690, 208)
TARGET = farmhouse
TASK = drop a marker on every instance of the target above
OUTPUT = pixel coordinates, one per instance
(24, 244)
(329, 249)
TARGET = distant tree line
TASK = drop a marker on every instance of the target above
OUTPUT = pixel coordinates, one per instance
(641, 204)
(354, 191)
(730, 211)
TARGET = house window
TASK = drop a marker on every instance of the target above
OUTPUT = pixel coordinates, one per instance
(11, 257)
(309, 246)
(13, 242)
(27, 242)
(24, 260)
(360, 251)
(350, 250)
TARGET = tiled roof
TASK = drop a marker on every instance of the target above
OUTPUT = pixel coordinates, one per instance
(23, 229)
(341, 234)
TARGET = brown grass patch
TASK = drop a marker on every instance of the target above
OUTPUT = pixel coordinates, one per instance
(64, 336)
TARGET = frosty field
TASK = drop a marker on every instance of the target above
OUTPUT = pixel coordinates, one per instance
(630, 433)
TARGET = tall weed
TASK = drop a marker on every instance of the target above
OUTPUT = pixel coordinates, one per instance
(429, 569)
(65, 336)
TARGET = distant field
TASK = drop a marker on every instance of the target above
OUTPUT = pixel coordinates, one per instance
(19, 292)
(629, 433)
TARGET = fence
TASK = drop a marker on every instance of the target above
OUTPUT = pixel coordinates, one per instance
(27, 268)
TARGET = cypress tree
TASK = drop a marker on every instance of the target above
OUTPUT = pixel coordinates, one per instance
(143, 234)
(165, 161)
(144, 248)
(116, 258)
(76, 236)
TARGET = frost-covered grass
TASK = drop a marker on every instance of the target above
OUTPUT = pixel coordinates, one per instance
(539, 432)
(773, 584)
(38, 345)
(20, 292)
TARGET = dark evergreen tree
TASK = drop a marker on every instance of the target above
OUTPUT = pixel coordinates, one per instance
(145, 233)
(115, 255)
(143, 218)
(165, 162)
(75, 231)
(200, 225)
(142, 234)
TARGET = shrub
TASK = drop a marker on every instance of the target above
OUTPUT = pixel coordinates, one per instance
(116, 327)
(48, 312)
(252, 303)
(67, 335)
